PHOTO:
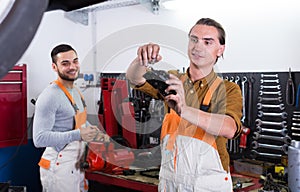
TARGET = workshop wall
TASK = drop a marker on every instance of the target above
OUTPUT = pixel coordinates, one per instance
(262, 36)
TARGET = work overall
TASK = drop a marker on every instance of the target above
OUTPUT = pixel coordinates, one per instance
(60, 171)
(190, 159)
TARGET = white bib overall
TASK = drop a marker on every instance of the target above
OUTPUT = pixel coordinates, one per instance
(190, 159)
(60, 171)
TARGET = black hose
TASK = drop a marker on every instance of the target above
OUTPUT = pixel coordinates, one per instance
(17, 31)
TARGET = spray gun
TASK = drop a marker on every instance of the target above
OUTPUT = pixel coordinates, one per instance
(243, 138)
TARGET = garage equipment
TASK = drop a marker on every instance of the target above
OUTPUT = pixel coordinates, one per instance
(106, 158)
(290, 90)
(13, 107)
(271, 184)
(131, 119)
(298, 95)
(243, 138)
(294, 166)
(116, 111)
(17, 29)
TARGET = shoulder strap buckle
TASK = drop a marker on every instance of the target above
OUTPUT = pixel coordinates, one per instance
(206, 101)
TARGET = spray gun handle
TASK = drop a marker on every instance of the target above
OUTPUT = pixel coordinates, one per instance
(243, 137)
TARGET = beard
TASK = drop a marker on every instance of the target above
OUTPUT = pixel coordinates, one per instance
(65, 77)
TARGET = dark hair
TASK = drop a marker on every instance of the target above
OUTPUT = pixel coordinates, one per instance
(58, 49)
(213, 23)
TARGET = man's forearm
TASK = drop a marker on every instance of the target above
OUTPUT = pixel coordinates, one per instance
(135, 73)
(215, 124)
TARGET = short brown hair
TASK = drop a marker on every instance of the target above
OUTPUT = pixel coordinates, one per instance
(58, 49)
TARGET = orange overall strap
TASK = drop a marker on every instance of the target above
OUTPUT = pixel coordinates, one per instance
(80, 118)
(82, 98)
(64, 89)
(206, 101)
(211, 90)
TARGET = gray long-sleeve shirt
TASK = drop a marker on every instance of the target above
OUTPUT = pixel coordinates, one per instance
(54, 118)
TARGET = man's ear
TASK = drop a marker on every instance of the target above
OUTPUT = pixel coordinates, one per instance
(221, 50)
(54, 67)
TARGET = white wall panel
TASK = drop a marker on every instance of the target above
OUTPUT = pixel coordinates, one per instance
(261, 36)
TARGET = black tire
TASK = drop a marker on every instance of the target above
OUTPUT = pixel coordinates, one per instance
(17, 31)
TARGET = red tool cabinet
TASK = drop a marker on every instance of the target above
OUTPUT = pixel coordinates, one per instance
(115, 112)
(13, 107)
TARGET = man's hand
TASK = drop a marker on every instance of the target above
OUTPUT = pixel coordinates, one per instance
(102, 137)
(148, 54)
(88, 133)
(175, 102)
